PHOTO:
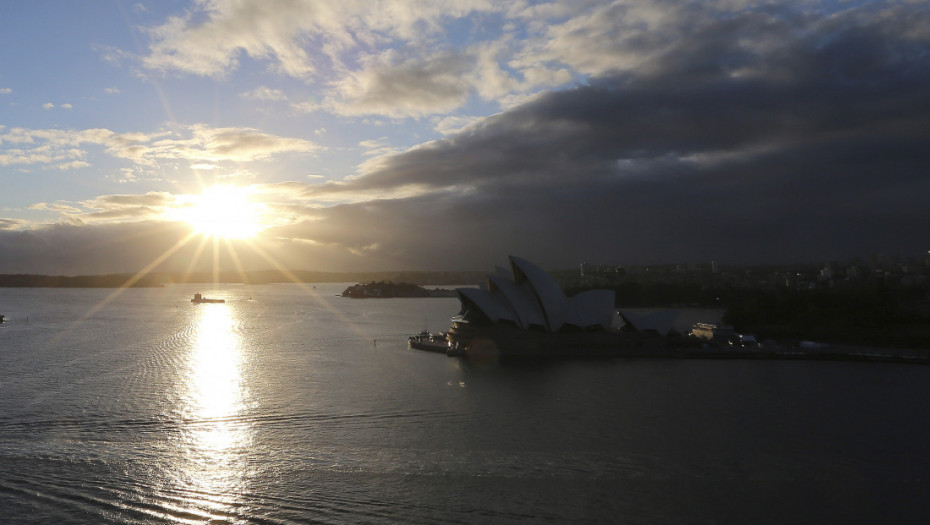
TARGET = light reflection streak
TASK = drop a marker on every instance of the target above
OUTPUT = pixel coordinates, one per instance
(218, 434)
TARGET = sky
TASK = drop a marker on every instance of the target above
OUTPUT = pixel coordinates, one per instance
(447, 135)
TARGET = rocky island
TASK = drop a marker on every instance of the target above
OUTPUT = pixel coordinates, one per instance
(388, 289)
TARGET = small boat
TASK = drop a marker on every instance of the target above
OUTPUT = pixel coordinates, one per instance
(201, 299)
(454, 349)
(429, 342)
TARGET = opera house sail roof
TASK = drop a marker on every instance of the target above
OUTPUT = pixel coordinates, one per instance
(532, 300)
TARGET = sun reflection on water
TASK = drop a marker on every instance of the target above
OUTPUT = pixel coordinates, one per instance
(214, 378)
(218, 435)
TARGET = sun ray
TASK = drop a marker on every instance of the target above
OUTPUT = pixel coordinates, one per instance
(234, 255)
(310, 291)
(136, 277)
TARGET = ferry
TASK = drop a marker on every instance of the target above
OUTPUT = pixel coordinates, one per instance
(430, 342)
(198, 298)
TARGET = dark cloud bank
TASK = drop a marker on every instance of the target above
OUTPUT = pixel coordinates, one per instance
(810, 146)
(814, 150)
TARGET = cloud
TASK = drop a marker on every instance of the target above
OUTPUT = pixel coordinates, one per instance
(58, 207)
(161, 206)
(209, 42)
(75, 249)
(48, 106)
(378, 147)
(611, 36)
(211, 48)
(65, 149)
(55, 148)
(753, 133)
(224, 144)
(151, 199)
(112, 55)
(7, 223)
(266, 93)
(126, 247)
(5, 91)
(330, 43)
(519, 49)
(127, 175)
(804, 142)
(396, 87)
(455, 124)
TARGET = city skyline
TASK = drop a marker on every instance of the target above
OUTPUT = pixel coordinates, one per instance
(447, 135)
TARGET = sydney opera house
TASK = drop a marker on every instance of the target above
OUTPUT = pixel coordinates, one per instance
(525, 313)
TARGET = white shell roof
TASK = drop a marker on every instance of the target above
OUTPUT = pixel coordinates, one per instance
(591, 307)
(492, 307)
(533, 298)
(550, 296)
(526, 309)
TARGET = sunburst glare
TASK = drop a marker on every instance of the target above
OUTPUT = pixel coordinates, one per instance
(226, 212)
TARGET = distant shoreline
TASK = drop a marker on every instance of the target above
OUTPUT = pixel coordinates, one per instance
(79, 281)
(156, 279)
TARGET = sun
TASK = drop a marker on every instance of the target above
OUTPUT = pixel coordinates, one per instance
(226, 212)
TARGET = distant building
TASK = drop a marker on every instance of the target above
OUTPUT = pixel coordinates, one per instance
(853, 272)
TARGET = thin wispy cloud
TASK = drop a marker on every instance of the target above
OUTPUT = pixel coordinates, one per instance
(266, 93)
(195, 143)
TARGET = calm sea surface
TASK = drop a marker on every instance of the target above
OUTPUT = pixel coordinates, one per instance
(287, 404)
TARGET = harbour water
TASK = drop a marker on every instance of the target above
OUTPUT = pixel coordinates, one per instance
(287, 404)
